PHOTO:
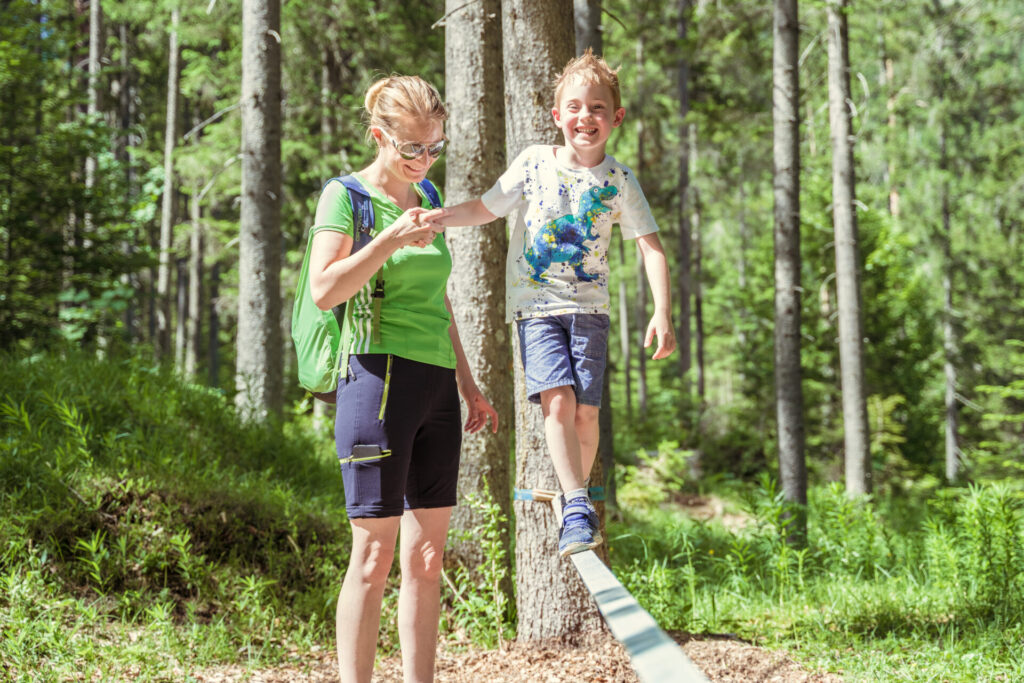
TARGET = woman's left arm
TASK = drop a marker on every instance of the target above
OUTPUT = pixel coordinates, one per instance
(478, 405)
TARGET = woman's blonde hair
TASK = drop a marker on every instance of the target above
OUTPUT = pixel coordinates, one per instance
(396, 96)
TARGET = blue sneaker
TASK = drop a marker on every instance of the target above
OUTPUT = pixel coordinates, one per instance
(580, 527)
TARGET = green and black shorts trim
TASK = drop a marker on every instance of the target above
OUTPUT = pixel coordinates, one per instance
(398, 434)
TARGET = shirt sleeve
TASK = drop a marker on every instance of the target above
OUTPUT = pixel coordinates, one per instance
(634, 216)
(509, 190)
(333, 210)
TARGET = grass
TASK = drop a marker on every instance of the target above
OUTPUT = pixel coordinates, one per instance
(146, 530)
(896, 590)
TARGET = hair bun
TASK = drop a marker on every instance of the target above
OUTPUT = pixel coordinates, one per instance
(373, 94)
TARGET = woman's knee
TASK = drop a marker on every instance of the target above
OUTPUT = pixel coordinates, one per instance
(373, 567)
(423, 562)
(373, 551)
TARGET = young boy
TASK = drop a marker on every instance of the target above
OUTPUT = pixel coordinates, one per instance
(557, 273)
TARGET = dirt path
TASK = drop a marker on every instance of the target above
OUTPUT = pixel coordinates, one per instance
(725, 661)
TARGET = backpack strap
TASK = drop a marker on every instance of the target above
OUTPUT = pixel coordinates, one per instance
(431, 192)
(362, 222)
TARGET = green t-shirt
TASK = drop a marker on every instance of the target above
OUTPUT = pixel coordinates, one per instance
(413, 318)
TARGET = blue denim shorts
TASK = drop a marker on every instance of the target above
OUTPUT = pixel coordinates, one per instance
(398, 432)
(565, 350)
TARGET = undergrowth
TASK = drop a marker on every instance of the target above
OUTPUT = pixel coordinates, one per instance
(883, 590)
(144, 527)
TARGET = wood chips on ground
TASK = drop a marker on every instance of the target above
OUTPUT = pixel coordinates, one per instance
(604, 661)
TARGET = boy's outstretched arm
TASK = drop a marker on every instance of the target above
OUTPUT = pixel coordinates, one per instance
(472, 212)
(656, 266)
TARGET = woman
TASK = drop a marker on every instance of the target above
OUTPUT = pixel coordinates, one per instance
(397, 430)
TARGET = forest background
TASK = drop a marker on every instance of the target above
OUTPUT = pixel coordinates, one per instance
(123, 240)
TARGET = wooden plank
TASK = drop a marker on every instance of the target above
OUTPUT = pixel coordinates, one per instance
(655, 657)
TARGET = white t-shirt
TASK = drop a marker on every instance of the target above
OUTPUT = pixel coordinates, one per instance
(558, 250)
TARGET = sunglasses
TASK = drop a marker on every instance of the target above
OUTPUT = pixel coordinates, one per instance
(414, 150)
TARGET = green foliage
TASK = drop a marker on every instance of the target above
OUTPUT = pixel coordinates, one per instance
(875, 582)
(477, 606)
(133, 503)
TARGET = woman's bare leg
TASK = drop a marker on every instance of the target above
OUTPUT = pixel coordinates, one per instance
(358, 615)
(422, 546)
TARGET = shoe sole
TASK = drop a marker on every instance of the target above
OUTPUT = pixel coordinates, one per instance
(574, 548)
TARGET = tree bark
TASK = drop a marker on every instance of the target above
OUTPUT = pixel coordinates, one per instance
(684, 247)
(856, 436)
(473, 73)
(625, 346)
(213, 334)
(641, 278)
(197, 246)
(786, 173)
(954, 464)
(589, 33)
(96, 48)
(126, 115)
(552, 600)
(181, 319)
(258, 373)
(162, 342)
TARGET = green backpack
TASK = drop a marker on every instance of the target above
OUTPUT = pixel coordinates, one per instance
(317, 334)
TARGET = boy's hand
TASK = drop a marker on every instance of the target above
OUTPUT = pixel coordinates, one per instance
(661, 326)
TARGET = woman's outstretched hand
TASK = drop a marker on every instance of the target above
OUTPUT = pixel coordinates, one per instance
(479, 409)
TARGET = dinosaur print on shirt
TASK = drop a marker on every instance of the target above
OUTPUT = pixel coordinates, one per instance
(561, 240)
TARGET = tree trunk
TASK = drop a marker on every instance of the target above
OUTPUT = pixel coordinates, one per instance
(684, 247)
(260, 363)
(213, 335)
(640, 308)
(587, 15)
(625, 346)
(954, 464)
(96, 45)
(698, 297)
(194, 348)
(641, 281)
(552, 600)
(181, 318)
(473, 72)
(856, 436)
(162, 342)
(885, 82)
(126, 116)
(786, 172)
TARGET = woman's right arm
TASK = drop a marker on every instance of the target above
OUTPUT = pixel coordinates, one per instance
(336, 274)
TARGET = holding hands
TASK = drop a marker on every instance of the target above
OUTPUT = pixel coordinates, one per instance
(416, 227)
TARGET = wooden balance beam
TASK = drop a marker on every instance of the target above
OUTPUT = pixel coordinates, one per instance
(654, 656)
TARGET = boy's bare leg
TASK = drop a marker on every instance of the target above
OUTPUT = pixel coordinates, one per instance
(423, 537)
(560, 409)
(358, 614)
(588, 433)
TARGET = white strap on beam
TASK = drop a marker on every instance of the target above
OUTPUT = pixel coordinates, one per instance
(655, 657)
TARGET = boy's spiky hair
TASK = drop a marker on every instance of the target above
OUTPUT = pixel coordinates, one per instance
(589, 69)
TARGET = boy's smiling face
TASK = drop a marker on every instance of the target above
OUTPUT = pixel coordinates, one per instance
(586, 115)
